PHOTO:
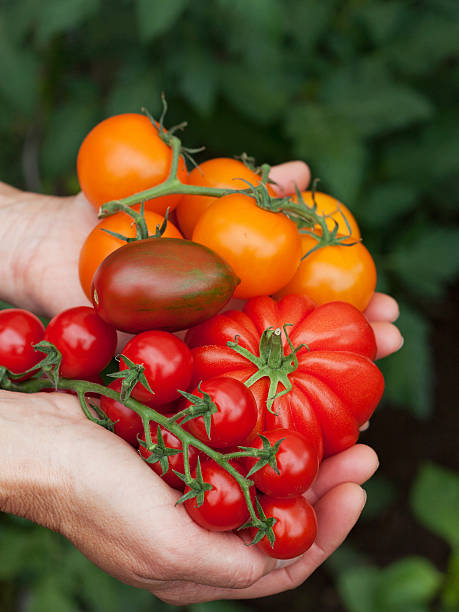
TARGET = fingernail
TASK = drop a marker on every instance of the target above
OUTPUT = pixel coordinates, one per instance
(402, 342)
(280, 563)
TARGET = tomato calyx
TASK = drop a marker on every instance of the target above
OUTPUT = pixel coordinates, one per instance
(132, 375)
(197, 486)
(272, 362)
(200, 406)
(138, 219)
(266, 455)
(262, 524)
(159, 451)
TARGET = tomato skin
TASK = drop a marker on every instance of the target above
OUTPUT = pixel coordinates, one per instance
(297, 463)
(168, 364)
(87, 343)
(128, 423)
(224, 506)
(19, 330)
(175, 461)
(123, 155)
(295, 529)
(262, 247)
(236, 417)
(161, 283)
(219, 173)
(98, 245)
(334, 210)
(346, 273)
(336, 386)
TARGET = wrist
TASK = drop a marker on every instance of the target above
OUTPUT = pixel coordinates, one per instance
(31, 483)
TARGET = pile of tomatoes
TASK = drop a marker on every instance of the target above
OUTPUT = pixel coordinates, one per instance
(245, 407)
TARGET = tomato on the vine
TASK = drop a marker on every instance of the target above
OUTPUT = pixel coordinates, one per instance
(296, 460)
(123, 155)
(262, 247)
(127, 423)
(340, 272)
(236, 417)
(335, 212)
(19, 331)
(175, 462)
(295, 528)
(98, 245)
(220, 173)
(224, 507)
(86, 342)
(168, 366)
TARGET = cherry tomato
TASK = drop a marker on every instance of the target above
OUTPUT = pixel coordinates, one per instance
(220, 173)
(123, 155)
(168, 364)
(128, 423)
(19, 331)
(297, 463)
(175, 461)
(263, 248)
(86, 342)
(295, 529)
(236, 417)
(343, 273)
(334, 210)
(224, 506)
(98, 245)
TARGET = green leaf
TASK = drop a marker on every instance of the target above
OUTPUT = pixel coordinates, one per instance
(406, 584)
(381, 494)
(384, 204)
(218, 606)
(427, 262)
(435, 501)
(154, 17)
(409, 372)
(450, 591)
(356, 587)
(136, 85)
(198, 78)
(382, 18)
(49, 596)
(57, 16)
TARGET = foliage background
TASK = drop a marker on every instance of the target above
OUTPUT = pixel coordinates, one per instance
(365, 91)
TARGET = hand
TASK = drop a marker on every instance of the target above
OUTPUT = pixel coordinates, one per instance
(92, 487)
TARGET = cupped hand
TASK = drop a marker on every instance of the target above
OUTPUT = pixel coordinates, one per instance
(95, 490)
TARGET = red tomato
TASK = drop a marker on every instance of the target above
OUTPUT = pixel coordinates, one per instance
(220, 173)
(262, 247)
(86, 342)
(295, 529)
(335, 387)
(98, 245)
(19, 331)
(236, 417)
(224, 506)
(128, 423)
(175, 461)
(297, 463)
(123, 155)
(168, 364)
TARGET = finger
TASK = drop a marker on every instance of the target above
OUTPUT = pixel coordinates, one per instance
(388, 338)
(287, 175)
(356, 464)
(382, 307)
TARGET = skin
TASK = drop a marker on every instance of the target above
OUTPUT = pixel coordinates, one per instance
(134, 531)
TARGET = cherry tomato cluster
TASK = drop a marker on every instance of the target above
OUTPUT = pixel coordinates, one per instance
(239, 414)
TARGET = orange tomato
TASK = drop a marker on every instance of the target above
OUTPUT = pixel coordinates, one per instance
(98, 245)
(220, 173)
(344, 273)
(123, 155)
(334, 210)
(263, 248)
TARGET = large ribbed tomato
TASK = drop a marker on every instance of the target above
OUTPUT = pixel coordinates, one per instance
(331, 385)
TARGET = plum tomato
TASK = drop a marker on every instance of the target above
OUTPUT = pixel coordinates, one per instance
(224, 506)
(168, 364)
(128, 423)
(295, 529)
(19, 331)
(123, 155)
(297, 463)
(175, 461)
(87, 343)
(236, 417)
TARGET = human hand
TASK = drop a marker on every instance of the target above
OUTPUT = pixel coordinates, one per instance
(92, 487)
